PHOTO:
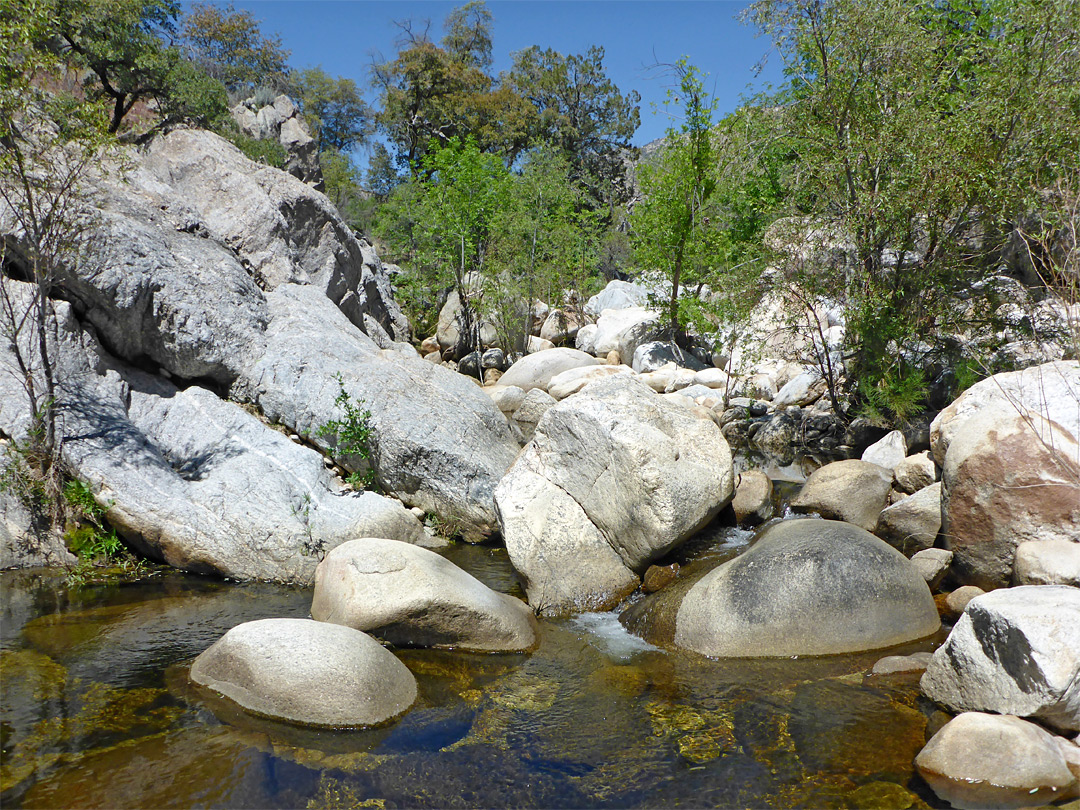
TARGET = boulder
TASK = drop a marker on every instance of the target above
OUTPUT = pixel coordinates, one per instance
(668, 378)
(753, 498)
(851, 490)
(573, 380)
(507, 398)
(915, 472)
(1055, 561)
(306, 672)
(802, 390)
(412, 597)
(617, 295)
(586, 338)
(712, 378)
(537, 370)
(657, 353)
(613, 478)
(281, 121)
(980, 761)
(455, 334)
(932, 564)
(560, 326)
(537, 344)
(1008, 477)
(1050, 390)
(1014, 651)
(912, 524)
(778, 436)
(623, 330)
(887, 451)
(807, 587)
(533, 407)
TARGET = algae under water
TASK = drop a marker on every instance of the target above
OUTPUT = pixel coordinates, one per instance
(97, 711)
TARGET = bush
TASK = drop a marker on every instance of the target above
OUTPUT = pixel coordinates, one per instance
(351, 435)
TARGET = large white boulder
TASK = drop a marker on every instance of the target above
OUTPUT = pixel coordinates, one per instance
(807, 587)
(1014, 651)
(619, 470)
(307, 672)
(623, 330)
(413, 597)
(617, 295)
(1051, 390)
(888, 451)
(537, 370)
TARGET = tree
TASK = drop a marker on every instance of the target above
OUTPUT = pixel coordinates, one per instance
(431, 94)
(51, 142)
(673, 232)
(916, 131)
(582, 113)
(334, 108)
(382, 174)
(228, 45)
(546, 245)
(468, 35)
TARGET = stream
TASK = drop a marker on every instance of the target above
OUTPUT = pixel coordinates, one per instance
(97, 711)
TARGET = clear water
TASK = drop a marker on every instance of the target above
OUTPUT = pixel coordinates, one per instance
(97, 712)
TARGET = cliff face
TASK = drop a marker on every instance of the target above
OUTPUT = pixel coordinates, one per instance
(204, 276)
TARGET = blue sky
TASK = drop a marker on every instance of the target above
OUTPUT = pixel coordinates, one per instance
(343, 35)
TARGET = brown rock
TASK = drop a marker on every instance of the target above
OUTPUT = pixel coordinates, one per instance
(659, 576)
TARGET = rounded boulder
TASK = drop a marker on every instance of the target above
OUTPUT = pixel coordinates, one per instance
(306, 672)
(807, 587)
(410, 596)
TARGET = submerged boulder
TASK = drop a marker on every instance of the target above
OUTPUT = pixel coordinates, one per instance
(614, 477)
(807, 587)
(1014, 651)
(981, 760)
(410, 596)
(307, 672)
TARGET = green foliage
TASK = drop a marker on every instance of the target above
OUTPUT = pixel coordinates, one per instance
(228, 45)
(918, 133)
(261, 150)
(581, 113)
(333, 108)
(896, 397)
(351, 435)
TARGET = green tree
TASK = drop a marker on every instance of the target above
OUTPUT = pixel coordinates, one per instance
(917, 130)
(431, 94)
(333, 107)
(672, 227)
(229, 46)
(582, 113)
(547, 245)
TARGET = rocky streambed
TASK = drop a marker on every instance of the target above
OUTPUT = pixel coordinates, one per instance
(99, 712)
